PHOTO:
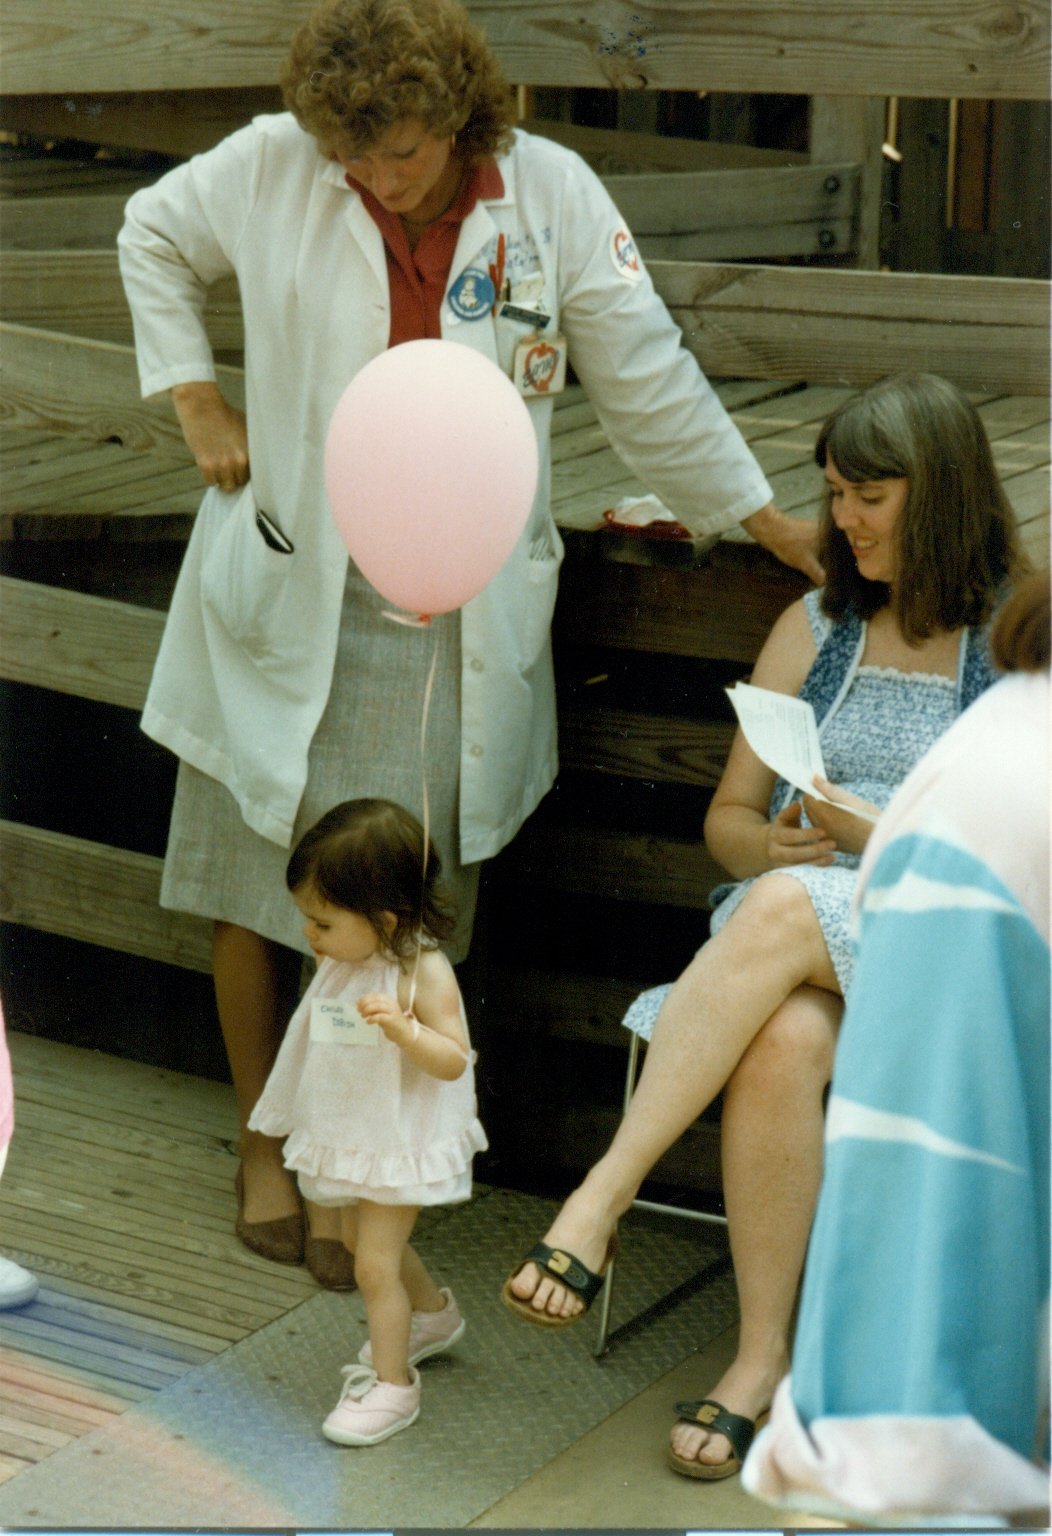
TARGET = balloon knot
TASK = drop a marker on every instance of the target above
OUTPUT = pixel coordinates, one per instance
(412, 620)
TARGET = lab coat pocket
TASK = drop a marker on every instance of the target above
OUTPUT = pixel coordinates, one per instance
(542, 583)
(245, 570)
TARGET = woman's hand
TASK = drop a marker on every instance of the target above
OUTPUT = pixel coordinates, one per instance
(790, 843)
(793, 539)
(215, 433)
(385, 1011)
(850, 831)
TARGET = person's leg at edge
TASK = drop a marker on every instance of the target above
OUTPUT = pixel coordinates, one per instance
(772, 945)
(255, 988)
(771, 1138)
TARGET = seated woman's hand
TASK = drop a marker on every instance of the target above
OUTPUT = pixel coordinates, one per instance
(850, 830)
(790, 843)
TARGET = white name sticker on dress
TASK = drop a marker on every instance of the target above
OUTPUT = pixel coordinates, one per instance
(333, 1022)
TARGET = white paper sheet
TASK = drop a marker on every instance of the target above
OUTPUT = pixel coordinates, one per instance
(783, 732)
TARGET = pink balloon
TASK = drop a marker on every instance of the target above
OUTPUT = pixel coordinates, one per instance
(431, 469)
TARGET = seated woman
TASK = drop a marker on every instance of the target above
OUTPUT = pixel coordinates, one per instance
(917, 539)
(920, 1378)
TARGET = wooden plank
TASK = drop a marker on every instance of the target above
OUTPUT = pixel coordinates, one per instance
(842, 127)
(675, 612)
(918, 221)
(613, 152)
(617, 866)
(61, 223)
(90, 389)
(99, 895)
(635, 745)
(787, 210)
(763, 241)
(91, 647)
(946, 48)
(182, 122)
(80, 293)
(853, 327)
(20, 1374)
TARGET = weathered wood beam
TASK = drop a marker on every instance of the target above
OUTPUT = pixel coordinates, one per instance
(979, 48)
(848, 327)
(754, 212)
(590, 861)
(48, 224)
(634, 745)
(844, 127)
(99, 895)
(80, 293)
(90, 647)
(58, 383)
(677, 612)
(182, 122)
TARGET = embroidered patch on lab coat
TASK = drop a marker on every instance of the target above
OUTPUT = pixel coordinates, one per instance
(625, 256)
(472, 295)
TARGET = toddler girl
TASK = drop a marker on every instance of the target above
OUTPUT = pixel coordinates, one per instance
(374, 1090)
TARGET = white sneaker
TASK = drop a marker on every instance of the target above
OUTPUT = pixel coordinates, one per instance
(370, 1410)
(430, 1333)
(17, 1285)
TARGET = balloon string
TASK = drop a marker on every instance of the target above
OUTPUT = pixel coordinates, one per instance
(426, 806)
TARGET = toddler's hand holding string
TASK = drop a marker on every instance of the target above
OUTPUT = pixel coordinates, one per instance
(432, 1036)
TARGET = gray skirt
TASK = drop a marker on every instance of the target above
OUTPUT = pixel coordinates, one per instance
(368, 742)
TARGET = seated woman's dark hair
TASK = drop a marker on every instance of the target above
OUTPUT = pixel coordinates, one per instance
(956, 536)
(368, 857)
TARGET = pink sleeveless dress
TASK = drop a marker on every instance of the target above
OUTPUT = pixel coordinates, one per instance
(363, 1122)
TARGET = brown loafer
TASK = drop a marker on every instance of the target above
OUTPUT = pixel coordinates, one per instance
(280, 1241)
(331, 1264)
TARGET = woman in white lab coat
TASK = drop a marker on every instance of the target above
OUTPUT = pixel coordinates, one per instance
(392, 201)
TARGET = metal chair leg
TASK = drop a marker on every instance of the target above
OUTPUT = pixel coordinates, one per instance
(605, 1303)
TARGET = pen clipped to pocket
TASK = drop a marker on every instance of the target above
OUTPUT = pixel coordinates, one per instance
(272, 534)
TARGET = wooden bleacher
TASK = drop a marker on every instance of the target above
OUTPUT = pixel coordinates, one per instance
(605, 889)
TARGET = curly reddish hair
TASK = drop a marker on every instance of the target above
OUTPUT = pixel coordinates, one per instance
(358, 67)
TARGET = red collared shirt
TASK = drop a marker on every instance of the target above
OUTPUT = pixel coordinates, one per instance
(418, 278)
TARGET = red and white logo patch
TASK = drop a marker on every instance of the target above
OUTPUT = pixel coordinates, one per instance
(625, 256)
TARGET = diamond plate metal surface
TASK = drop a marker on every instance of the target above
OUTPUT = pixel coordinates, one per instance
(237, 1441)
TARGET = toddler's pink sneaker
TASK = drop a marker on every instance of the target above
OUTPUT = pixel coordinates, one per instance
(430, 1333)
(371, 1410)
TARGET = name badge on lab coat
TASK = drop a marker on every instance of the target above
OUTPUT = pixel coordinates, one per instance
(333, 1022)
(540, 365)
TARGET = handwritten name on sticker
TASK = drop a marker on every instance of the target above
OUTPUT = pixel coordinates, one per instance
(625, 256)
(337, 1022)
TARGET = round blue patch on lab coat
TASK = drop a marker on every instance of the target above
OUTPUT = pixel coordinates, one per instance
(472, 295)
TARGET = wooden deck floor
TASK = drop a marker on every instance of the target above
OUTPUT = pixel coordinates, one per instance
(59, 487)
(118, 1195)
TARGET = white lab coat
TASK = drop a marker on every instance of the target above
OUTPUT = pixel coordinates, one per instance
(246, 660)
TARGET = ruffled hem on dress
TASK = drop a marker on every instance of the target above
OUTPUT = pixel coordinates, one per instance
(368, 1167)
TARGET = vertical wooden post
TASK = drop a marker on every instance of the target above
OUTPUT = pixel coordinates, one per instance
(918, 241)
(852, 128)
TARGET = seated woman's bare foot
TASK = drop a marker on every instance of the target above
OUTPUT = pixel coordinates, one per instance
(270, 1191)
(742, 1390)
(582, 1228)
